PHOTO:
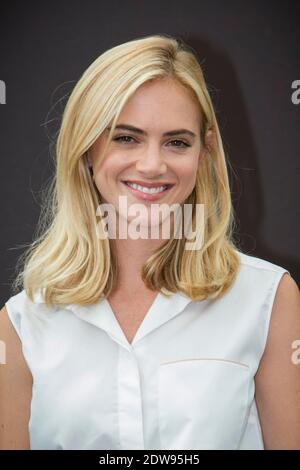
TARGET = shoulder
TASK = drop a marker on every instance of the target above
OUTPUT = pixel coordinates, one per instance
(10, 337)
(15, 388)
(256, 283)
(22, 311)
(285, 319)
(282, 297)
(287, 295)
(278, 376)
(14, 309)
(8, 334)
(255, 263)
(262, 277)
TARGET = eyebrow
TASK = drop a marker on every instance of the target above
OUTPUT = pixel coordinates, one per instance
(128, 127)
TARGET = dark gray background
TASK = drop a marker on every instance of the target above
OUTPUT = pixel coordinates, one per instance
(250, 55)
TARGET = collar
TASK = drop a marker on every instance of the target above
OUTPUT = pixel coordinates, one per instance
(101, 315)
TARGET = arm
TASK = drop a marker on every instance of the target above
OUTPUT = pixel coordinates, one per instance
(278, 378)
(15, 390)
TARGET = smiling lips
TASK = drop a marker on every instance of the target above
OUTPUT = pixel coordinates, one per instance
(149, 185)
(148, 191)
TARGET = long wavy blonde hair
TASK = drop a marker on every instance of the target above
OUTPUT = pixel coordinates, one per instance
(67, 260)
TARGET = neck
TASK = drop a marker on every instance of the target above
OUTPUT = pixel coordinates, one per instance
(131, 256)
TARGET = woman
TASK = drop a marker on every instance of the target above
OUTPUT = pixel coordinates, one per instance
(141, 342)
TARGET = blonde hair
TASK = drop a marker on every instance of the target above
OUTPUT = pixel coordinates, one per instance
(67, 261)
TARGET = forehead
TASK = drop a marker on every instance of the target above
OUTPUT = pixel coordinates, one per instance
(162, 103)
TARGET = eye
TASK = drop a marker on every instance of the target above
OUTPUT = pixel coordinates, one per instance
(121, 138)
(127, 139)
(184, 144)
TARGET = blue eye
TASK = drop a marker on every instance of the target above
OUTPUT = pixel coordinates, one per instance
(123, 140)
(182, 142)
(119, 139)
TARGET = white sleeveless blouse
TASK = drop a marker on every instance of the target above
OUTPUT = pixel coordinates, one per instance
(185, 382)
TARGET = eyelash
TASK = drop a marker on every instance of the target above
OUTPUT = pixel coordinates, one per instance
(118, 139)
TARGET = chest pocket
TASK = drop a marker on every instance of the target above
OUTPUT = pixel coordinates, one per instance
(202, 403)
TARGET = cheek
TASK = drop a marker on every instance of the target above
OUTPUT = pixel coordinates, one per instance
(108, 175)
(187, 173)
(110, 168)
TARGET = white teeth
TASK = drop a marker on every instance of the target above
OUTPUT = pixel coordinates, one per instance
(146, 190)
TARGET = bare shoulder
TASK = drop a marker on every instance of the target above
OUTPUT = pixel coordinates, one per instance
(15, 388)
(287, 294)
(278, 377)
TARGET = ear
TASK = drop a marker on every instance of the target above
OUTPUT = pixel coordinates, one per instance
(210, 140)
(208, 146)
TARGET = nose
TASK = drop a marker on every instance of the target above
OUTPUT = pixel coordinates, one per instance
(151, 162)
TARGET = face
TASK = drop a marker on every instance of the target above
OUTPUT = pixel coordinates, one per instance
(156, 150)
